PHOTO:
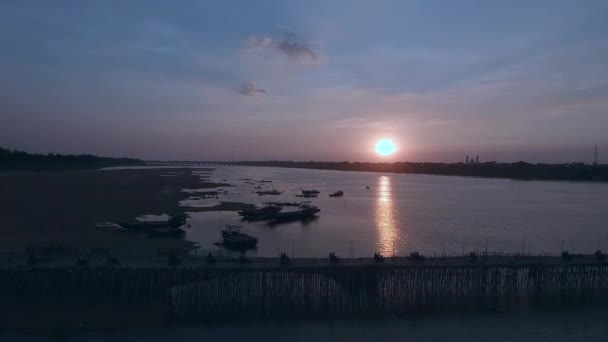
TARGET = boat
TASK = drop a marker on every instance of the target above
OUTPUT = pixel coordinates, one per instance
(259, 214)
(143, 225)
(308, 193)
(305, 211)
(337, 194)
(269, 192)
(173, 222)
(233, 238)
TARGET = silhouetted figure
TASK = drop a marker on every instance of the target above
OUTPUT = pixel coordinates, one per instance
(82, 262)
(333, 258)
(210, 258)
(113, 260)
(378, 257)
(566, 256)
(244, 259)
(32, 259)
(472, 256)
(174, 260)
(416, 256)
(285, 259)
(599, 256)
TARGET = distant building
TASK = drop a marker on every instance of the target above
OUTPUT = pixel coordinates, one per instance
(467, 160)
(477, 160)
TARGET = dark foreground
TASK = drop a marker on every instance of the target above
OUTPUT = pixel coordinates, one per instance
(581, 324)
(99, 297)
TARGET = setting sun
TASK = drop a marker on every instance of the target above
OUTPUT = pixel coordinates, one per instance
(385, 147)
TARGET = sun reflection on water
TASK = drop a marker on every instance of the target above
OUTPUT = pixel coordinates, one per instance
(384, 216)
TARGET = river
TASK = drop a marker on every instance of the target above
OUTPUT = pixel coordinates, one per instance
(400, 213)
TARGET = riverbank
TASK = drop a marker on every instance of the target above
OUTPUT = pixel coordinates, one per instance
(63, 208)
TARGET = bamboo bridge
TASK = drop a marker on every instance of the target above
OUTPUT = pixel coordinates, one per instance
(313, 287)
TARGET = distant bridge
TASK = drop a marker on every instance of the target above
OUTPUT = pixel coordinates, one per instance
(191, 163)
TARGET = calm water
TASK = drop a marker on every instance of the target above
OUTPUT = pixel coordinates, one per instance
(570, 325)
(403, 212)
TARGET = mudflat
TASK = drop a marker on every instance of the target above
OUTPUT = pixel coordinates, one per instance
(64, 207)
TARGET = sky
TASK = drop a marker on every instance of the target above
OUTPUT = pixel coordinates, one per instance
(306, 80)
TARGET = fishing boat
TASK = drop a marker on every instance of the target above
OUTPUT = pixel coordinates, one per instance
(259, 214)
(173, 222)
(233, 238)
(269, 192)
(337, 194)
(308, 193)
(306, 211)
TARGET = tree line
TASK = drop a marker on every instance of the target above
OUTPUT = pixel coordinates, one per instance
(13, 160)
(518, 170)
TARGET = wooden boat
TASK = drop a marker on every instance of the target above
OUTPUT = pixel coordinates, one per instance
(259, 214)
(233, 238)
(173, 222)
(143, 225)
(337, 194)
(305, 211)
(270, 192)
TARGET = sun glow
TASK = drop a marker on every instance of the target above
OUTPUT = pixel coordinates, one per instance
(385, 147)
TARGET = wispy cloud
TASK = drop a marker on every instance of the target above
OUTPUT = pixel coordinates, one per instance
(250, 89)
(291, 45)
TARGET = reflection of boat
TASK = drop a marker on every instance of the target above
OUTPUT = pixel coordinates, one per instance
(307, 195)
(285, 204)
(337, 194)
(174, 222)
(270, 192)
(259, 214)
(305, 211)
(232, 237)
(167, 231)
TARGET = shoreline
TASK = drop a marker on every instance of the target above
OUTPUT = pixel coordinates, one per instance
(69, 205)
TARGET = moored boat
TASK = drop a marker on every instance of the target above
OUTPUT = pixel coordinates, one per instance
(337, 194)
(233, 238)
(306, 211)
(259, 214)
(173, 222)
(269, 192)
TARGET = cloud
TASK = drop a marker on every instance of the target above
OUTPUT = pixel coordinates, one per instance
(291, 45)
(260, 42)
(250, 89)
